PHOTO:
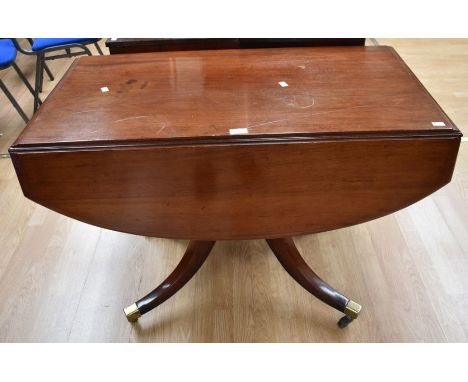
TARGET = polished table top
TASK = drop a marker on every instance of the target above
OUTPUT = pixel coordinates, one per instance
(225, 93)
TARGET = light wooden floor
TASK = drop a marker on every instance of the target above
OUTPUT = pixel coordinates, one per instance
(62, 280)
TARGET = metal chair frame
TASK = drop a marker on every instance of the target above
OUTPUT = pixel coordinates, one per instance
(46, 68)
(10, 96)
(41, 59)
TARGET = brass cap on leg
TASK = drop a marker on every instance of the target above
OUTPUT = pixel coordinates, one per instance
(132, 312)
(352, 309)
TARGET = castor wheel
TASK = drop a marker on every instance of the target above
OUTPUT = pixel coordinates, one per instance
(345, 321)
(351, 311)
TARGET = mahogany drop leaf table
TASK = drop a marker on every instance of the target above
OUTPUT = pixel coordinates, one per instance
(237, 144)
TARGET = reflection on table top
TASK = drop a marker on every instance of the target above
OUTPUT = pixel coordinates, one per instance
(259, 92)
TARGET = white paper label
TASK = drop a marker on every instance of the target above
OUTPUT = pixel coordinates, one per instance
(105, 89)
(438, 124)
(114, 39)
(283, 84)
(238, 131)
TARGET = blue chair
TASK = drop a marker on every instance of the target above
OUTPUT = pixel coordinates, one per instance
(7, 59)
(41, 46)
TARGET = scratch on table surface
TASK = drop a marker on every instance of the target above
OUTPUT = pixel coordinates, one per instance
(267, 123)
(161, 128)
(83, 111)
(307, 106)
(341, 109)
(129, 118)
(296, 101)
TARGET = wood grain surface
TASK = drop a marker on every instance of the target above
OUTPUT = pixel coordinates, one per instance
(237, 191)
(204, 94)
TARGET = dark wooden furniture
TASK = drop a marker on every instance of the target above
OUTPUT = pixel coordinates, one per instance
(144, 45)
(237, 144)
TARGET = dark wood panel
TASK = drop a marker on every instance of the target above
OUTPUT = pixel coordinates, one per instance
(213, 192)
(298, 42)
(207, 94)
(144, 45)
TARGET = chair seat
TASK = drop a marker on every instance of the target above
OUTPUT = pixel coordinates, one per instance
(7, 52)
(44, 43)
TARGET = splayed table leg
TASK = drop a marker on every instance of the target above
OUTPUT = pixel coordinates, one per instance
(288, 255)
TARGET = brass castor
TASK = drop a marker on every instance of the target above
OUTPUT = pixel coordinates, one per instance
(351, 311)
(195, 254)
(132, 313)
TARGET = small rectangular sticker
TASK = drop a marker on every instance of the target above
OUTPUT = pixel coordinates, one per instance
(105, 89)
(238, 131)
(283, 84)
(438, 124)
